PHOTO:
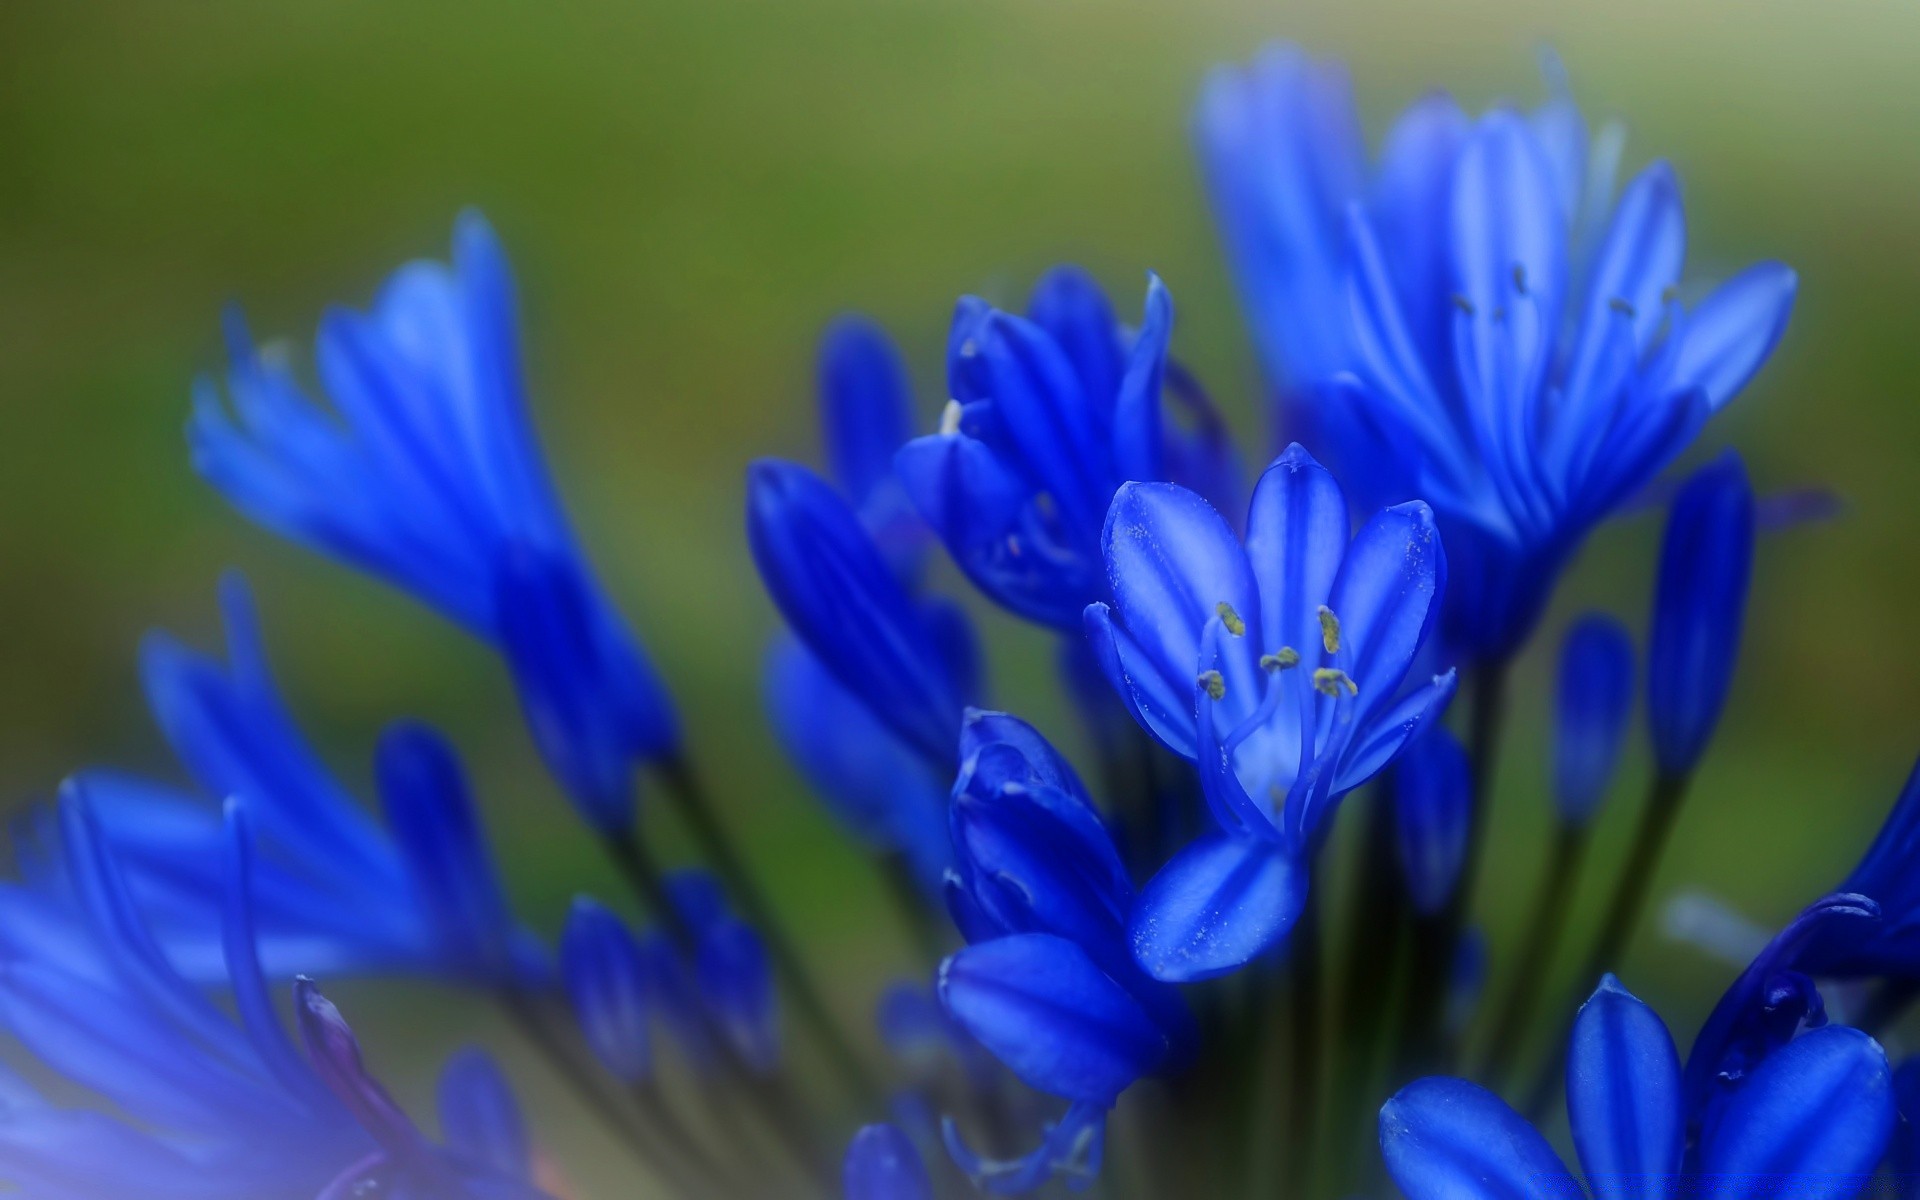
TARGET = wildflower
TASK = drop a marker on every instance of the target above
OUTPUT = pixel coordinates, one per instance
(1277, 667)
(1474, 373)
(1819, 1109)
(427, 475)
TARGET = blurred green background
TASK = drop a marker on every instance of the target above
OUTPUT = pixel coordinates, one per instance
(689, 190)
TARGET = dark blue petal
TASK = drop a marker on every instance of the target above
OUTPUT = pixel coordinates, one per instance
(1885, 872)
(479, 1117)
(1217, 905)
(1432, 800)
(591, 700)
(866, 404)
(335, 1054)
(843, 602)
(1388, 733)
(1070, 306)
(1162, 706)
(1595, 699)
(1447, 1139)
(881, 1164)
(1818, 1112)
(1386, 599)
(437, 829)
(736, 980)
(607, 984)
(1733, 331)
(1050, 423)
(1623, 1095)
(1637, 263)
(1700, 605)
(1138, 427)
(1055, 1019)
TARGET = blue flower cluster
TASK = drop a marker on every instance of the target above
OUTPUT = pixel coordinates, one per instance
(1480, 353)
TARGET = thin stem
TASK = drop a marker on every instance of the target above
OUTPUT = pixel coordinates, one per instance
(1303, 1103)
(1664, 795)
(1379, 908)
(717, 847)
(1544, 930)
(644, 1141)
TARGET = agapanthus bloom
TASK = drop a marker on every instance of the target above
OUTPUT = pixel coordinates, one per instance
(1276, 666)
(1469, 325)
(427, 474)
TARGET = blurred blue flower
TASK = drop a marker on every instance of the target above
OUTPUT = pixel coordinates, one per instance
(1047, 983)
(1278, 667)
(427, 474)
(881, 1164)
(1432, 802)
(912, 662)
(337, 892)
(1889, 873)
(1595, 699)
(1050, 413)
(206, 1103)
(1515, 356)
(1819, 1113)
(1700, 606)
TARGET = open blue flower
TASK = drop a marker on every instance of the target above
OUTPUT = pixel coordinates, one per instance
(1050, 413)
(338, 892)
(1815, 1116)
(427, 474)
(206, 1103)
(1278, 667)
(1047, 983)
(1516, 356)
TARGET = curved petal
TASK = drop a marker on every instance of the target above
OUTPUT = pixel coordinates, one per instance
(1385, 599)
(1137, 427)
(866, 404)
(1819, 1112)
(1624, 1096)
(1296, 536)
(1447, 1139)
(1391, 730)
(1733, 331)
(1071, 307)
(1163, 707)
(1217, 905)
(881, 1164)
(1636, 264)
(1055, 1019)
(479, 1117)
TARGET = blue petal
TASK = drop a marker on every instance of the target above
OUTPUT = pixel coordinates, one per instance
(1217, 905)
(881, 1164)
(1137, 423)
(1297, 533)
(1447, 1139)
(1623, 1095)
(1070, 306)
(1172, 562)
(736, 980)
(607, 983)
(479, 1117)
(1432, 798)
(1700, 605)
(1411, 187)
(1055, 1019)
(1595, 700)
(848, 608)
(1636, 265)
(1819, 1112)
(437, 828)
(1049, 420)
(1162, 706)
(1734, 330)
(866, 404)
(1386, 598)
(335, 1054)
(1388, 733)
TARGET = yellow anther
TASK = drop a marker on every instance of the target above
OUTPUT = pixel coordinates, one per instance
(1215, 683)
(1281, 659)
(1329, 680)
(1329, 630)
(1231, 619)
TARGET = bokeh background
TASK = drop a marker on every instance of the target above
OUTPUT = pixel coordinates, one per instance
(691, 189)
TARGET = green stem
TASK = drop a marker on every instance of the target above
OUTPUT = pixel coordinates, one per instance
(1544, 930)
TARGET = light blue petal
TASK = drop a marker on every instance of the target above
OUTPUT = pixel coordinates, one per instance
(1216, 906)
(1297, 532)
(1447, 1139)
(1734, 330)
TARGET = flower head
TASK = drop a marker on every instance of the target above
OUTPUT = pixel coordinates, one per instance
(427, 474)
(1277, 666)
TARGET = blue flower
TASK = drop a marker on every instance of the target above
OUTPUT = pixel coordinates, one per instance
(1889, 873)
(208, 1103)
(1278, 667)
(1817, 1114)
(1432, 799)
(881, 1164)
(427, 474)
(866, 415)
(1050, 413)
(1590, 720)
(1047, 983)
(911, 661)
(1700, 605)
(338, 893)
(1474, 373)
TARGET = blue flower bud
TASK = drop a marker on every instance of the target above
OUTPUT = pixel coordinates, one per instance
(607, 983)
(1595, 699)
(1432, 800)
(881, 1164)
(1699, 607)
